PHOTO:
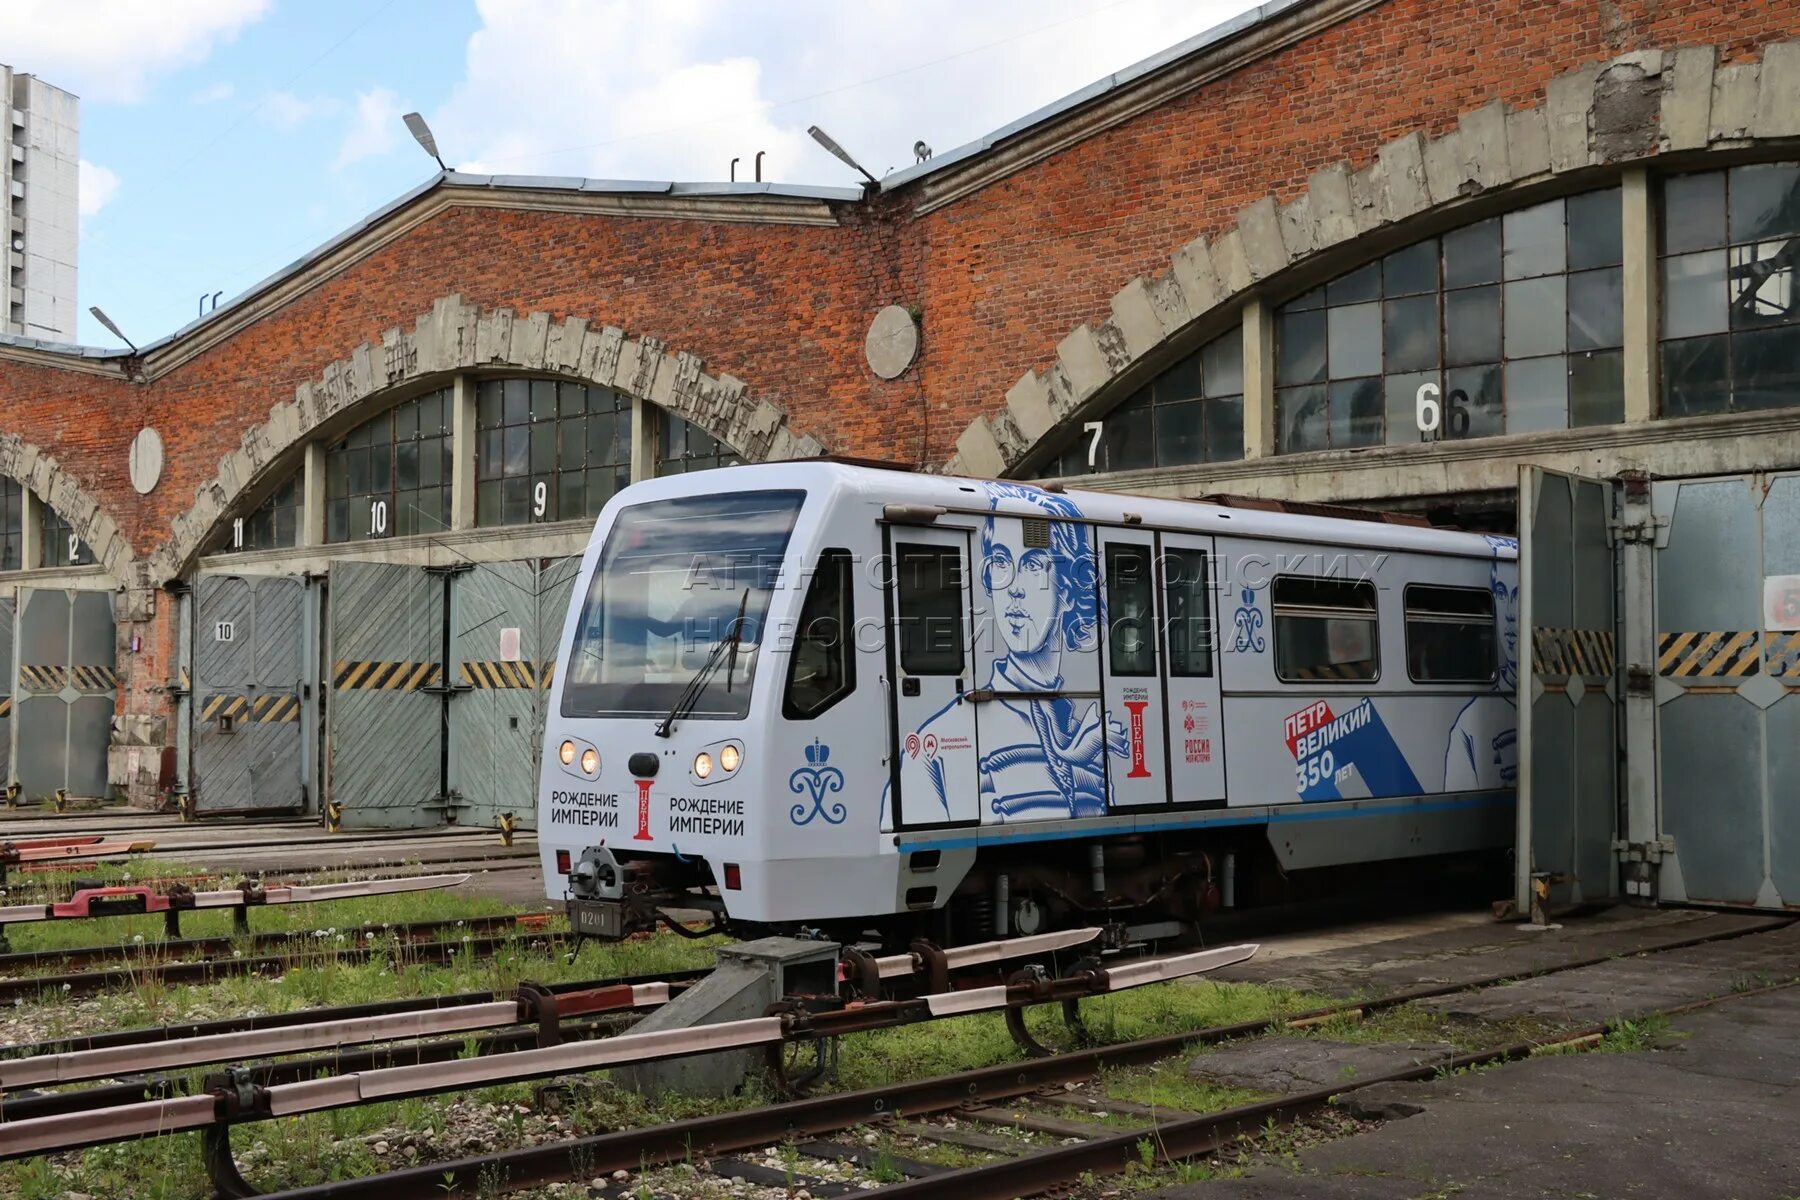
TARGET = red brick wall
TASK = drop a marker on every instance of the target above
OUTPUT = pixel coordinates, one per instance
(1001, 275)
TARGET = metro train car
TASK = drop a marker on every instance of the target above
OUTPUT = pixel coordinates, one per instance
(869, 702)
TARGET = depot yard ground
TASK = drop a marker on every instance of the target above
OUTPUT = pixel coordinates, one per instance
(1673, 1110)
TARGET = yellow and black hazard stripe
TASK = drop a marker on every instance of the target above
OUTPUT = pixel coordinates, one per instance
(37, 677)
(275, 710)
(1588, 653)
(487, 674)
(1781, 653)
(223, 704)
(93, 679)
(5, 707)
(372, 675)
(1707, 654)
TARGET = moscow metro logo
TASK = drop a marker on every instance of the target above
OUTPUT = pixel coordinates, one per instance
(643, 829)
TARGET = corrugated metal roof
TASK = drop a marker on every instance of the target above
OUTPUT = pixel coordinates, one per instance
(1239, 24)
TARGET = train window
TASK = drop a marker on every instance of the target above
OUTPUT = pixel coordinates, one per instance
(822, 670)
(1130, 623)
(1325, 630)
(1189, 613)
(928, 591)
(1450, 634)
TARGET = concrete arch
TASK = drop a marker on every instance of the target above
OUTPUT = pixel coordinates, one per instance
(458, 336)
(40, 474)
(1631, 109)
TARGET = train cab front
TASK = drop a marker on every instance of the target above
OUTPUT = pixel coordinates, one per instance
(645, 795)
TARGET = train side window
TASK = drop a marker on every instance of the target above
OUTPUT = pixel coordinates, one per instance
(1450, 634)
(1186, 596)
(1130, 621)
(1325, 630)
(823, 669)
(928, 606)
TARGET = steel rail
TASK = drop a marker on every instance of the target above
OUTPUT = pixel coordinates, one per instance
(147, 956)
(121, 900)
(1209, 1133)
(208, 969)
(229, 1103)
(632, 1149)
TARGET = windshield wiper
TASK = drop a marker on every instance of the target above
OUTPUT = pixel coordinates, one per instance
(690, 695)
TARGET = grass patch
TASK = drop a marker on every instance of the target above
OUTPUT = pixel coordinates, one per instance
(1167, 1084)
(937, 1047)
(1415, 1023)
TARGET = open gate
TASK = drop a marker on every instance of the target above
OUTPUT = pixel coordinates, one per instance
(506, 619)
(1568, 803)
(6, 685)
(249, 638)
(386, 714)
(63, 692)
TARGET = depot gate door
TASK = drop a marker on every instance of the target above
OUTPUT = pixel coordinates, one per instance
(1727, 583)
(385, 711)
(63, 691)
(505, 621)
(1568, 801)
(250, 639)
(6, 685)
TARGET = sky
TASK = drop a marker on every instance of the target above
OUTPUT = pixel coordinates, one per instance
(222, 139)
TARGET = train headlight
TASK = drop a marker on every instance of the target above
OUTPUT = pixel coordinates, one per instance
(729, 758)
(590, 761)
(702, 765)
(567, 753)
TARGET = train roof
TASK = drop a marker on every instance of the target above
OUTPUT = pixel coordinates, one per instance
(884, 486)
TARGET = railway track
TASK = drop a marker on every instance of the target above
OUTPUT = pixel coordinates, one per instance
(806, 1125)
(24, 974)
(207, 970)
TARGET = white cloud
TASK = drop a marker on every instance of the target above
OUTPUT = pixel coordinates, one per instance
(284, 110)
(373, 129)
(223, 90)
(97, 186)
(675, 90)
(110, 49)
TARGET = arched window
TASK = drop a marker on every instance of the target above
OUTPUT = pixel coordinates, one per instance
(63, 547)
(1730, 321)
(1191, 413)
(1516, 322)
(271, 525)
(686, 447)
(12, 524)
(391, 476)
(548, 450)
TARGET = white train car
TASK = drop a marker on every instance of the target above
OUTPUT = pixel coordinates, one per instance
(833, 696)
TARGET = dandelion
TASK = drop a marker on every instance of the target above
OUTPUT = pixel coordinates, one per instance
(137, 939)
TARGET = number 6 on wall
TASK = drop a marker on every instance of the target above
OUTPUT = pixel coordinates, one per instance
(1426, 410)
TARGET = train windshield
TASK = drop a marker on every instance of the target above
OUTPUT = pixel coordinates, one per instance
(673, 578)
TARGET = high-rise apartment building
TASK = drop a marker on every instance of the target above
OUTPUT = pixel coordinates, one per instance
(39, 172)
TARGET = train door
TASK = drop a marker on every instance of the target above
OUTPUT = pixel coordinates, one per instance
(936, 777)
(1043, 730)
(1196, 718)
(1131, 670)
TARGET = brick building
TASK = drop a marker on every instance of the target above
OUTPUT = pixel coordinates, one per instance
(1374, 251)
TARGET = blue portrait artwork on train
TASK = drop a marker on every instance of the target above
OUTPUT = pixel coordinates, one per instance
(1042, 752)
(1042, 755)
(1483, 749)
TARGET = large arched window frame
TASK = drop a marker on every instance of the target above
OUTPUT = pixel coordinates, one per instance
(473, 452)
